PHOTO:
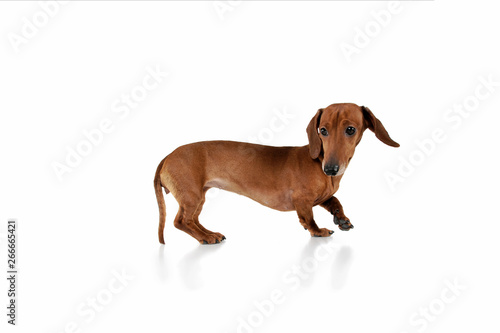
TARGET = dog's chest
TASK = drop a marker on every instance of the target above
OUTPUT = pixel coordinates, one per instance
(327, 190)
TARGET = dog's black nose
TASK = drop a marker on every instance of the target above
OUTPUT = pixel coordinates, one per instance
(331, 170)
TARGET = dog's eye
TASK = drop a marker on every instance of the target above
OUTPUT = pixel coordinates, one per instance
(323, 131)
(350, 131)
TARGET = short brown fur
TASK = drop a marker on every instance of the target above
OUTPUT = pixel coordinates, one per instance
(282, 178)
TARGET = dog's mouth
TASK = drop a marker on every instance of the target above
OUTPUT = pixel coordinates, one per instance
(334, 175)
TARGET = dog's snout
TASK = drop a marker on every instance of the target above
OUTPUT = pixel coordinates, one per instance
(331, 170)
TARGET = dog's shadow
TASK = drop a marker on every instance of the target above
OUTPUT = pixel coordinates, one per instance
(321, 250)
(162, 265)
(341, 266)
(190, 265)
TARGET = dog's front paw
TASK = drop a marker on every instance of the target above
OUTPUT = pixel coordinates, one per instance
(342, 221)
(323, 232)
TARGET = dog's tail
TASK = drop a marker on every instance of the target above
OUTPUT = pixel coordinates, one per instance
(161, 201)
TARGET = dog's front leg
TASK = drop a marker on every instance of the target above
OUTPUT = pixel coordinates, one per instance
(335, 208)
(306, 218)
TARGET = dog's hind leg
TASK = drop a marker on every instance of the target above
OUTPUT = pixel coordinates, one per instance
(220, 237)
(190, 205)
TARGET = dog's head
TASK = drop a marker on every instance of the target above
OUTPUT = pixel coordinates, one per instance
(335, 131)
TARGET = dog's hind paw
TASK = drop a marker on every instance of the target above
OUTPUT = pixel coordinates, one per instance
(213, 238)
(344, 224)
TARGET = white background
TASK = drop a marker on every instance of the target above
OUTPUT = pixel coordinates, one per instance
(227, 76)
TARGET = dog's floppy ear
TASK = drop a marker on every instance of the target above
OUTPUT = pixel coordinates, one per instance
(376, 127)
(313, 136)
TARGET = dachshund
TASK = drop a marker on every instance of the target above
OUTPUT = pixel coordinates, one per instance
(282, 178)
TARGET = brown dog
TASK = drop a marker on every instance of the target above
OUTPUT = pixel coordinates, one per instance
(282, 178)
